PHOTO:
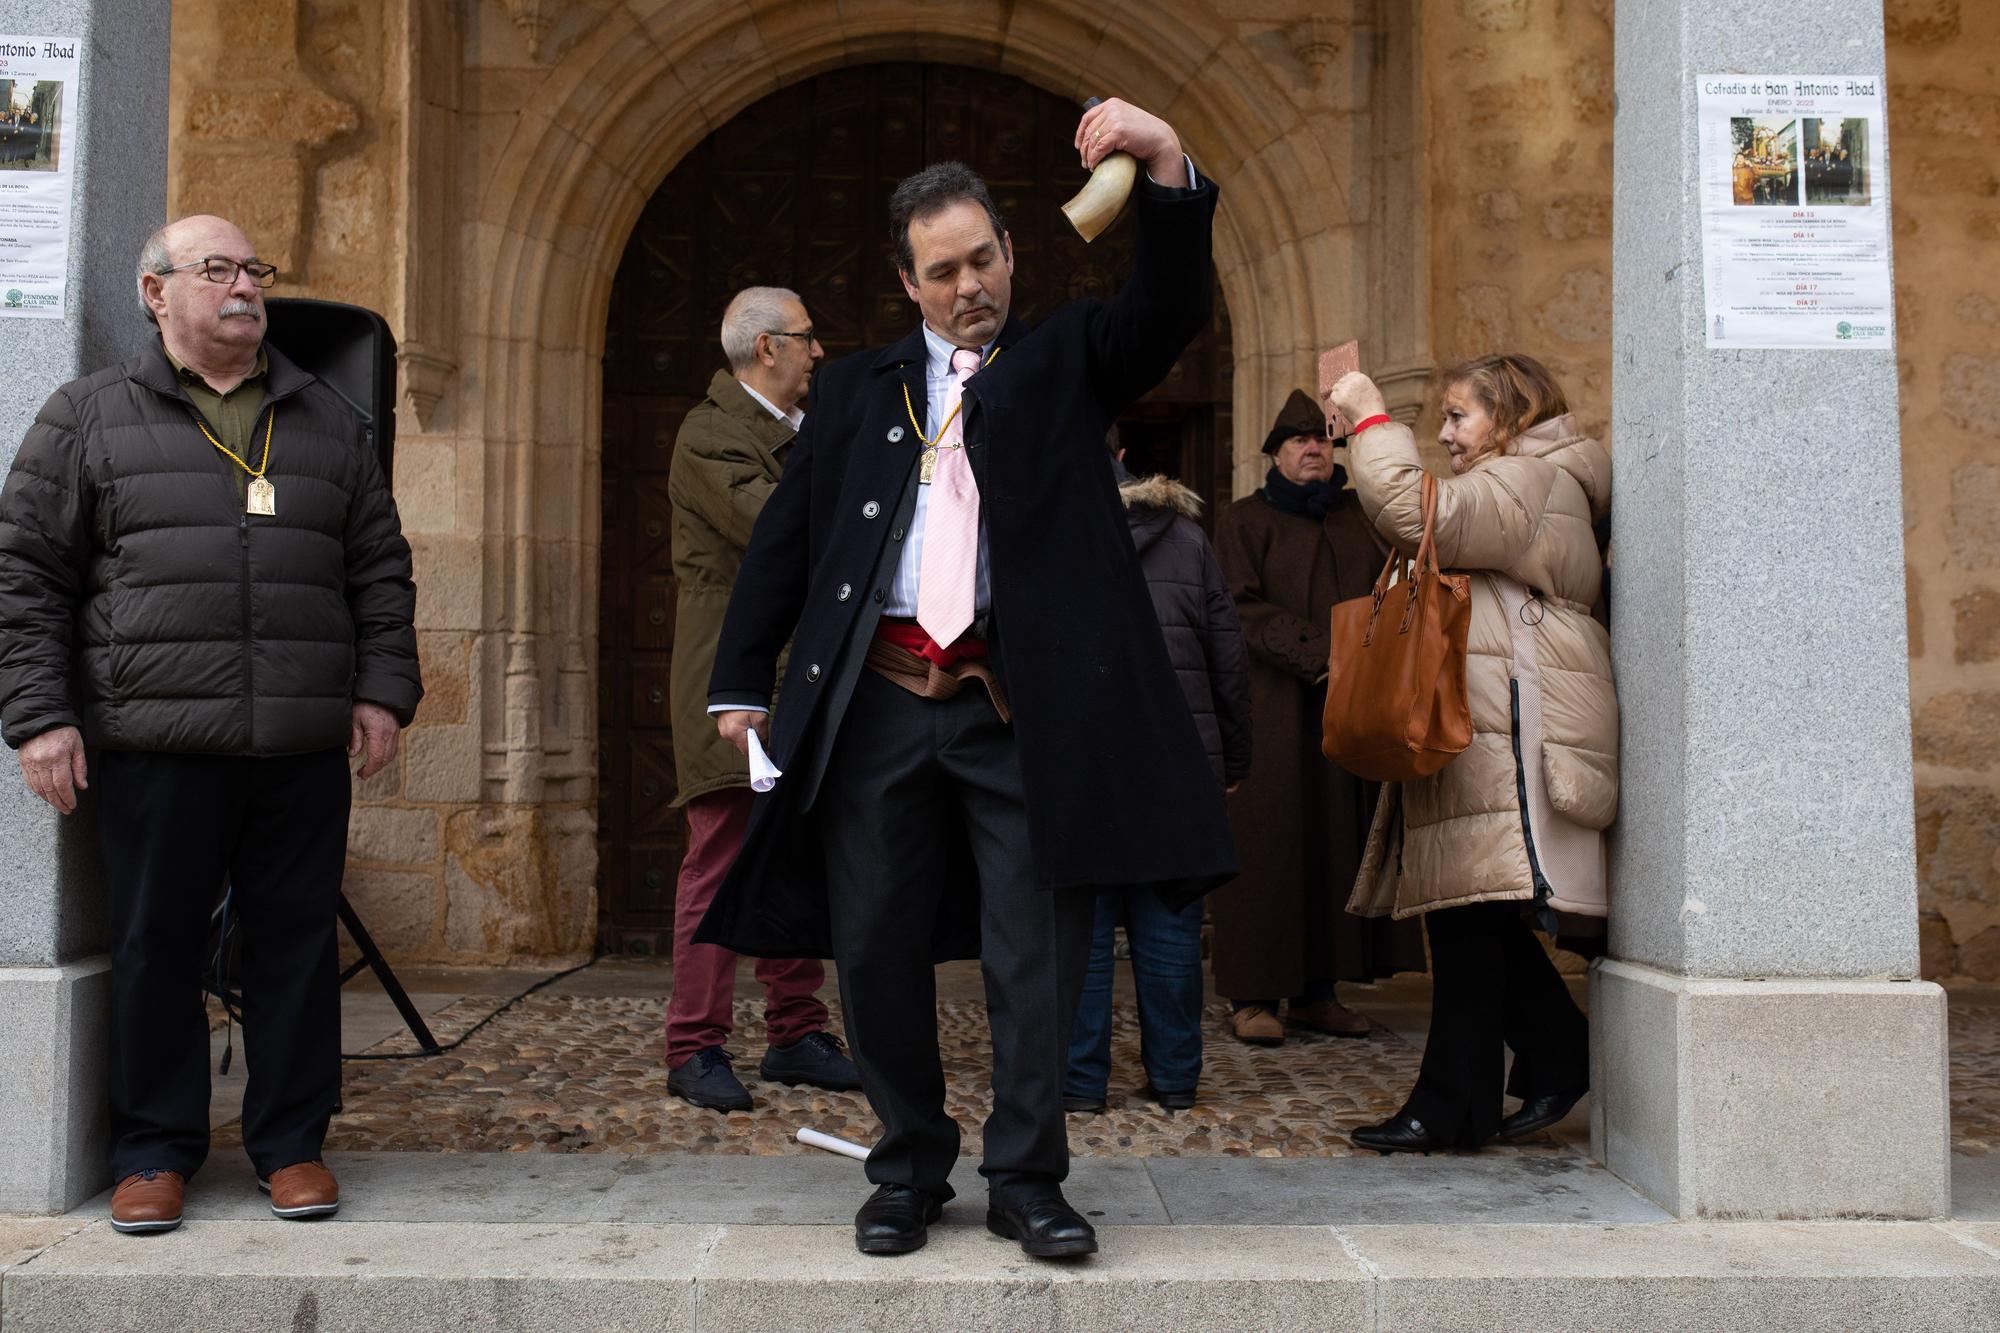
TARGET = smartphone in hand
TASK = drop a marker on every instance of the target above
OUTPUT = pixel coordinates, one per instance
(1342, 360)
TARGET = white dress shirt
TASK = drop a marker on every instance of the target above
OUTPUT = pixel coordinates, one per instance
(795, 418)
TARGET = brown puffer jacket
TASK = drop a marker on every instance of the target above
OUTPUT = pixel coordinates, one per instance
(1520, 814)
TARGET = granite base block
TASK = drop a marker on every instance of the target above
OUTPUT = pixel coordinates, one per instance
(1772, 1099)
(54, 1127)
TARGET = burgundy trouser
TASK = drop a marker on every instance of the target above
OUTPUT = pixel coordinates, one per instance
(705, 974)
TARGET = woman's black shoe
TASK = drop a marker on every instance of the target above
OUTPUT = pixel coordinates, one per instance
(1539, 1113)
(1401, 1132)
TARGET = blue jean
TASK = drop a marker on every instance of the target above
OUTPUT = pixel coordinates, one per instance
(1166, 969)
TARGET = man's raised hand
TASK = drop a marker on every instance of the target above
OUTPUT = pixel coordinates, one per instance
(1115, 125)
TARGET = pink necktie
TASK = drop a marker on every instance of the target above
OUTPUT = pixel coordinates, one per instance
(951, 523)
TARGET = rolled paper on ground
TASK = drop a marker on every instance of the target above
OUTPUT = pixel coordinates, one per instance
(813, 1138)
(1103, 197)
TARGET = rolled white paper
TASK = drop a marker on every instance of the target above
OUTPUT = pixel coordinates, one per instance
(764, 774)
(813, 1138)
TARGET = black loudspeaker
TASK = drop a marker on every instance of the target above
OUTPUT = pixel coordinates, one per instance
(349, 349)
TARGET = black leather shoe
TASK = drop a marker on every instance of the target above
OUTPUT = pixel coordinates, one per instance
(1083, 1105)
(895, 1220)
(708, 1081)
(1045, 1224)
(1401, 1132)
(1168, 1101)
(814, 1058)
(1539, 1113)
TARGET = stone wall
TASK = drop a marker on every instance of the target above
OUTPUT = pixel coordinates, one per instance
(284, 120)
(1520, 138)
(422, 157)
(294, 117)
(1944, 132)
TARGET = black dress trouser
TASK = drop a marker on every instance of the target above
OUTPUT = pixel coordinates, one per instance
(174, 827)
(1492, 986)
(908, 776)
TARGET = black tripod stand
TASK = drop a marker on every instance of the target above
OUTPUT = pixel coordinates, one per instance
(222, 928)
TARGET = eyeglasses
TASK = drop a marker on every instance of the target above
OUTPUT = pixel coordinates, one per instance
(780, 333)
(218, 269)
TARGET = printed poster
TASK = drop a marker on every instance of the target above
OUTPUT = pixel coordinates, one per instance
(38, 81)
(1795, 218)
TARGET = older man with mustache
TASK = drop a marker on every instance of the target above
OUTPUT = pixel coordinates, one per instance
(203, 579)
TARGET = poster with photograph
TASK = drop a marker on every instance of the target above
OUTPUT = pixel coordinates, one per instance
(38, 79)
(1795, 230)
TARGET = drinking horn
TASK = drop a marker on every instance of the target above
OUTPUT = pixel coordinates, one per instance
(1103, 197)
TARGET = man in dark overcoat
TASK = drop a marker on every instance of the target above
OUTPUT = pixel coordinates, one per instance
(1290, 550)
(980, 726)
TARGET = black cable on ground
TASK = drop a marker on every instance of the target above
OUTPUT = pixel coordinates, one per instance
(466, 1035)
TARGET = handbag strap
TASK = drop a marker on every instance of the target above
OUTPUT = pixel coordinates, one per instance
(1427, 549)
(1426, 561)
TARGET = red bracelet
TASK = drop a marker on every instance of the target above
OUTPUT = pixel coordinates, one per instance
(1379, 419)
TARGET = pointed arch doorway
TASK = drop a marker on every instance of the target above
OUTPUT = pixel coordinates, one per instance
(793, 192)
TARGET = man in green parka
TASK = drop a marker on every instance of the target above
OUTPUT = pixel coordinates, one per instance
(727, 460)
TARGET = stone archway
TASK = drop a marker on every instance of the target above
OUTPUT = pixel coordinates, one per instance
(1310, 128)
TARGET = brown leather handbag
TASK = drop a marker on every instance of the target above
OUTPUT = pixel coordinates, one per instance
(1396, 705)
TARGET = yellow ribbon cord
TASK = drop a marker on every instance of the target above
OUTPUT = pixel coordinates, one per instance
(911, 408)
(269, 422)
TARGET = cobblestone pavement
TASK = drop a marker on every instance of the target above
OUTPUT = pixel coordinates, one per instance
(581, 1073)
(1975, 1070)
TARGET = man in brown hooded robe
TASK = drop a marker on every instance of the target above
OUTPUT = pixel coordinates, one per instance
(1289, 552)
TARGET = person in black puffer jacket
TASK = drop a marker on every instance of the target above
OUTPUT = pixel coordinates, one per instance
(204, 581)
(1197, 617)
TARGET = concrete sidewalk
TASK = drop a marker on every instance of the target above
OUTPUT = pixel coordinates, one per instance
(725, 1238)
(540, 1241)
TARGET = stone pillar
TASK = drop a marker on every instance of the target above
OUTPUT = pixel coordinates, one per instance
(54, 978)
(1760, 1048)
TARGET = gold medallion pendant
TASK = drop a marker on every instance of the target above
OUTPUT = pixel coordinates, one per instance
(263, 497)
(928, 468)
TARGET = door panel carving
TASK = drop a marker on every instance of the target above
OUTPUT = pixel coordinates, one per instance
(794, 193)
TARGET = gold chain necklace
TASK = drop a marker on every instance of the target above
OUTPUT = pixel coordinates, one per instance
(260, 496)
(928, 468)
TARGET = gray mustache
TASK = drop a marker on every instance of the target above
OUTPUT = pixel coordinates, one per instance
(233, 309)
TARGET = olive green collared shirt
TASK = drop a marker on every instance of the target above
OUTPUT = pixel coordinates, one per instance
(233, 416)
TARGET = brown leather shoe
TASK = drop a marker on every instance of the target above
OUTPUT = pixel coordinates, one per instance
(1329, 1016)
(303, 1189)
(148, 1201)
(1257, 1026)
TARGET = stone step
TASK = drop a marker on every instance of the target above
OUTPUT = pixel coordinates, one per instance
(79, 1275)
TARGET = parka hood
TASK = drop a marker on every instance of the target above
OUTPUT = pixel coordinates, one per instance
(1559, 441)
(1160, 492)
(1152, 504)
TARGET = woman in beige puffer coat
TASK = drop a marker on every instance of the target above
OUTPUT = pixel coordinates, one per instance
(1510, 834)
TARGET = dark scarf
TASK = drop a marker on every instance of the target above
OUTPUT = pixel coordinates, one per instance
(1314, 500)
